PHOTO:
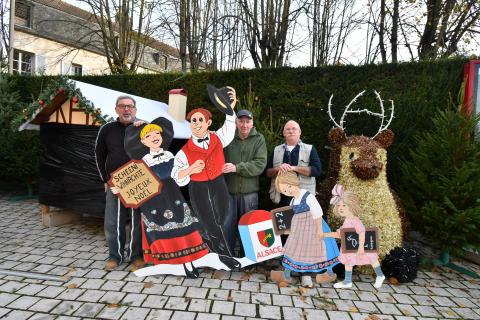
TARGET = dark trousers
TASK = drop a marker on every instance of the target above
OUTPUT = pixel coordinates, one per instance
(116, 216)
(239, 205)
(210, 201)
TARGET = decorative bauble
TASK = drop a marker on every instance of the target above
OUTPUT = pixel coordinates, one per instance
(41, 102)
(61, 90)
(75, 99)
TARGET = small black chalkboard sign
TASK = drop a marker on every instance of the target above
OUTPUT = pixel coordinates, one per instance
(282, 219)
(350, 243)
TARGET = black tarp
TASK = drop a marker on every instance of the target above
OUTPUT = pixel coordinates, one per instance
(68, 173)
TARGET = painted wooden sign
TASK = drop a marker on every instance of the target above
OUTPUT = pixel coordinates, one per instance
(282, 219)
(136, 183)
(350, 241)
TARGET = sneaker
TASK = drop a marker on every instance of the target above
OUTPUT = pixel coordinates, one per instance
(343, 285)
(111, 265)
(279, 276)
(379, 281)
(307, 282)
(138, 263)
(325, 278)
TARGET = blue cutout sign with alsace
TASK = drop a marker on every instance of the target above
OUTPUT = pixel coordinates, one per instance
(259, 240)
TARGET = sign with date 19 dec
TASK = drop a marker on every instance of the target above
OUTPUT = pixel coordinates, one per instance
(136, 183)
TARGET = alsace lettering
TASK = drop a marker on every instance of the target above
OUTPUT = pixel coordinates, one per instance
(268, 252)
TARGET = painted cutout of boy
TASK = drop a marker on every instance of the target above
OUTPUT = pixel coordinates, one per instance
(169, 229)
(306, 250)
(347, 205)
(199, 164)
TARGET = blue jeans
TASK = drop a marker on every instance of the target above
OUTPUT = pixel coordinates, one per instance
(239, 205)
(115, 221)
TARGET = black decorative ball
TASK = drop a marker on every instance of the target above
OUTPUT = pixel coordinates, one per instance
(401, 263)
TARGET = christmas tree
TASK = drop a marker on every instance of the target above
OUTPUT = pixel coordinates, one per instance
(441, 182)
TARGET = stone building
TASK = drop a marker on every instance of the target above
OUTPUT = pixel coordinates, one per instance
(53, 37)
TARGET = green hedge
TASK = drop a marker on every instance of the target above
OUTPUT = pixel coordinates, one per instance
(418, 89)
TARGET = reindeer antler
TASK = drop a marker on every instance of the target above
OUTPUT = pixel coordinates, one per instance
(358, 111)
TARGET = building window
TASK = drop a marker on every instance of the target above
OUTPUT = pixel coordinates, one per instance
(165, 63)
(22, 62)
(76, 69)
(156, 57)
(22, 14)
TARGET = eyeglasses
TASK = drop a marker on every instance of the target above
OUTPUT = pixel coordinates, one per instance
(125, 106)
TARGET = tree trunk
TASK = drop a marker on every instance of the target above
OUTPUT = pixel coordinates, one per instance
(394, 36)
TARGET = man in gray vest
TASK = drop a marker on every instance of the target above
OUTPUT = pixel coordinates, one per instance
(296, 156)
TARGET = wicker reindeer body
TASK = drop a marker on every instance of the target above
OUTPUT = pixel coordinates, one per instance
(359, 164)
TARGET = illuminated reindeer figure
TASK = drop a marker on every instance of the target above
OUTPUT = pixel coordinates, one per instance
(359, 164)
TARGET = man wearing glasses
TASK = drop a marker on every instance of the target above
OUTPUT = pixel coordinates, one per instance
(110, 155)
(296, 156)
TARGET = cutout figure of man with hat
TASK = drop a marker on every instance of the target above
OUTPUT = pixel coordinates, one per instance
(199, 164)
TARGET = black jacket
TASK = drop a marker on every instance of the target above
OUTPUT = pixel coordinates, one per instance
(109, 150)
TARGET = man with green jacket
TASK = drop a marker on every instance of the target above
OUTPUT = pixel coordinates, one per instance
(245, 160)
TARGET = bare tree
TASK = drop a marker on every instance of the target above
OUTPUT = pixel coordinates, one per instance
(331, 22)
(266, 24)
(394, 34)
(4, 33)
(447, 23)
(125, 28)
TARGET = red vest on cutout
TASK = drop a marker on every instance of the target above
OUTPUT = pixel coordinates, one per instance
(213, 157)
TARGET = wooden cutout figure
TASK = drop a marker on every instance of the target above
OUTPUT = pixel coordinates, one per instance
(199, 164)
(171, 238)
(169, 228)
(306, 249)
(347, 205)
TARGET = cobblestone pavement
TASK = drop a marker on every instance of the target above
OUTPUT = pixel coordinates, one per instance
(78, 251)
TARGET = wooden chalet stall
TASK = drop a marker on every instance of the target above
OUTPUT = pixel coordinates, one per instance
(69, 182)
(69, 179)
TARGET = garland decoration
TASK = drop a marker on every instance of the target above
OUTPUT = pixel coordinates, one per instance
(61, 85)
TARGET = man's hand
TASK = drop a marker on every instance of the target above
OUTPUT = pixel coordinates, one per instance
(114, 190)
(321, 235)
(197, 167)
(229, 167)
(138, 123)
(361, 251)
(283, 168)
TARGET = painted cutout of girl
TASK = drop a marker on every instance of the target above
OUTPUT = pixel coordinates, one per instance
(170, 230)
(306, 250)
(347, 205)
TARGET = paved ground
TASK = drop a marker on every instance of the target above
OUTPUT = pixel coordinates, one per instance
(78, 251)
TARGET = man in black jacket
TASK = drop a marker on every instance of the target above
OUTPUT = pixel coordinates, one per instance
(110, 155)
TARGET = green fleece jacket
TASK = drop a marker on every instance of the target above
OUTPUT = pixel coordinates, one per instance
(250, 158)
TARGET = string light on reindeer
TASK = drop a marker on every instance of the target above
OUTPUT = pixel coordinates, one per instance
(366, 111)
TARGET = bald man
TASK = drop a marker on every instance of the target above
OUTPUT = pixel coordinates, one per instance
(296, 156)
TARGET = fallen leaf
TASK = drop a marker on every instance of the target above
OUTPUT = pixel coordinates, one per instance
(393, 281)
(72, 286)
(283, 284)
(229, 298)
(303, 298)
(112, 305)
(353, 309)
(148, 284)
(133, 269)
(302, 290)
(373, 317)
(218, 275)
